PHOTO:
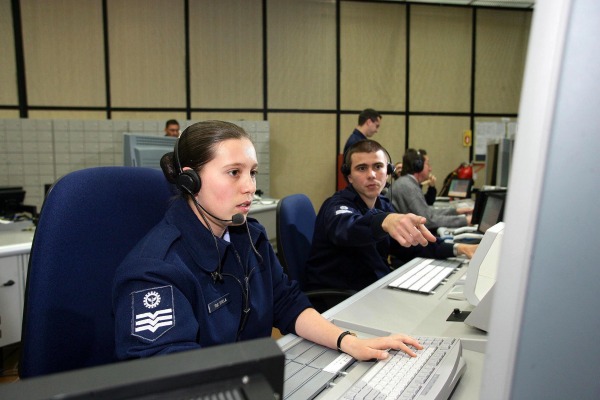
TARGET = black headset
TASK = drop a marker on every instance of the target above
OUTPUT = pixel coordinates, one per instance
(187, 181)
(418, 164)
(345, 168)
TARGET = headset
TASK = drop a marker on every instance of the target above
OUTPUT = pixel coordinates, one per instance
(187, 181)
(345, 168)
(418, 163)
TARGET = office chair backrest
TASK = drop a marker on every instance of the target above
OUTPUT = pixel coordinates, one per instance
(295, 226)
(89, 222)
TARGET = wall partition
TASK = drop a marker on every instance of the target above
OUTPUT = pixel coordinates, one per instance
(306, 66)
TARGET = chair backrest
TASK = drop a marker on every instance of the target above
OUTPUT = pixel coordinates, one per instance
(89, 221)
(295, 226)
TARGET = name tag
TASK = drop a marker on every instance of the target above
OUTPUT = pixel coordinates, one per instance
(218, 303)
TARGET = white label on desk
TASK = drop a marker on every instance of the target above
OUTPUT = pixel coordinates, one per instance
(340, 362)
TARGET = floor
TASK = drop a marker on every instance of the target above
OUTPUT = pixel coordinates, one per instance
(10, 362)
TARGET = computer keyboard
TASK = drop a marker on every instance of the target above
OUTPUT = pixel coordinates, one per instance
(315, 372)
(426, 276)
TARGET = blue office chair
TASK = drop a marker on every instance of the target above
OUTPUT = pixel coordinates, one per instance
(89, 222)
(295, 220)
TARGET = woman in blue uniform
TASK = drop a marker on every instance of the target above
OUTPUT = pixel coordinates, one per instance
(206, 274)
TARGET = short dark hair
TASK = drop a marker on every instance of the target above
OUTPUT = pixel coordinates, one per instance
(367, 114)
(171, 122)
(409, 159)
(363, 146)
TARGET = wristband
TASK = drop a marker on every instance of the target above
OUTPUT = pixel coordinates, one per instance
(342, 335)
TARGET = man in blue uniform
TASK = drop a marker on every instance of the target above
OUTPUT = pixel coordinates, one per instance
(369, 121)
(357, 229)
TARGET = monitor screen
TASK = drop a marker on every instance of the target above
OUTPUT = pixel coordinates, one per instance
(480, 199)
(460, 188)
(11, 198)
(493, 211)
(481, 273)
(143, 150)
(252, 369)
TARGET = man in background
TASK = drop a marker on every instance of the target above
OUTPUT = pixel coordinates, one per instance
(172, 128)
(407, 195)
(369, 121)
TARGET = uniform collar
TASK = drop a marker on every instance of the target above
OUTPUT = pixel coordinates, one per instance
(201, 243)
(351, 194)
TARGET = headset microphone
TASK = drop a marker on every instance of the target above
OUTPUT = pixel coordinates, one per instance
(238, 219)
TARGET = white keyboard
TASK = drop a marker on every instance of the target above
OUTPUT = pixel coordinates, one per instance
(404, 377)
(426, 276)
(433, 374)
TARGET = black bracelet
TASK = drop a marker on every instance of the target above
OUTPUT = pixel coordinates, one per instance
(339, 341)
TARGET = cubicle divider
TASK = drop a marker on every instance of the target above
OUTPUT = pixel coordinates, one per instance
(35, 153)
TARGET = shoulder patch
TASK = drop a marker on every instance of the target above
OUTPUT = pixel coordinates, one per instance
(152, 312)
(342, 210)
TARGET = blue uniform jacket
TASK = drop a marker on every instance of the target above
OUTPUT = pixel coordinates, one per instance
(355, 137)
(165, 300)
(350, 249)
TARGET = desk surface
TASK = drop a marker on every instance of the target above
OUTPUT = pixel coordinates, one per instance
(15, 242)
(396, 311)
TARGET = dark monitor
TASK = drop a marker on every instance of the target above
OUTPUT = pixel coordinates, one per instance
(492, 212)
(249, 370)
(460, 188)
(143, 150)
(479, 205)
(497, 163)
(491, 165)
(11, 199)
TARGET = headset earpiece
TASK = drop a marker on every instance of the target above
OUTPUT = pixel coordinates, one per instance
(419, 163)
(390, 168)
(345, 169)
(188, 181)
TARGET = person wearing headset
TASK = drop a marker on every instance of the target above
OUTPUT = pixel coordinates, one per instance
(407, 195)
(357, 230)
(207, 275)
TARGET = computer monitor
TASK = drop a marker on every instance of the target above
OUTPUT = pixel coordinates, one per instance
(493, 211)
(481, 273)
(460, 188)
(479, 204)
(252, 369)
(498, 160)
(143, 150)
(11, 199)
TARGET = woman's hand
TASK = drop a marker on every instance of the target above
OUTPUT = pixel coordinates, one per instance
(377, 348)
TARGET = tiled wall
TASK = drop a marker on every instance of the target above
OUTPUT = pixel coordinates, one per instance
(34, 153)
